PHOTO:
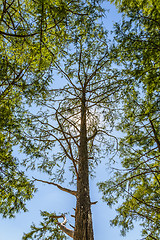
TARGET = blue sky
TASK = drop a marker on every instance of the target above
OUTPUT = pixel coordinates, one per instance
(51, 199)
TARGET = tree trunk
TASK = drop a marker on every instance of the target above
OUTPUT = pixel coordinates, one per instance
(83, 217)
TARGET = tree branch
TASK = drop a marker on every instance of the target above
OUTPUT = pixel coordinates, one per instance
(93, 136)
(69, 145)
(155, 134)
(62, 226)
(17, 35)
(58, 186)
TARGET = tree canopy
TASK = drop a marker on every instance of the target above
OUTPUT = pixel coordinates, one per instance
(61, 87)
(27, 30)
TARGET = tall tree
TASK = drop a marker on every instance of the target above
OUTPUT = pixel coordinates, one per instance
(26, 28)
(77, 122)
(137, 183)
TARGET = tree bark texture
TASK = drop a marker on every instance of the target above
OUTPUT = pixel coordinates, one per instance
(83, 216)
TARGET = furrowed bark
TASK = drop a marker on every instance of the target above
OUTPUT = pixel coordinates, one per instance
(83, 218)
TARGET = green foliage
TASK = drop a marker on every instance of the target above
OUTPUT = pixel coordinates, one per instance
(136, 184)
(15, 188)
(47, 230)
(30, 28)
(33, 35)
(146, 6)
(138, 42)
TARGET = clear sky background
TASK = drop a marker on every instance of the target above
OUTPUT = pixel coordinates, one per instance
(49, 198)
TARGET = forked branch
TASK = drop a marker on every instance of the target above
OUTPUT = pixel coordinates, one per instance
(62, 226)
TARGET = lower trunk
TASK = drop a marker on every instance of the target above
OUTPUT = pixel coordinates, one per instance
(83, 218)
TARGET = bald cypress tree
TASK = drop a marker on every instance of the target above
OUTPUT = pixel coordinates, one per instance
(71, 132)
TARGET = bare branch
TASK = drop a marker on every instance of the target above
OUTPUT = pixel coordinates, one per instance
(17, 35)
(67, 120)
(72, 226)
(79, 65)
(98, 67)
(103, 131)
(57, 129)
(62, 226)
(155, 134)
(93, 136)
(92, 203)
(64, 73)
(69, 145)
(57, 185)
